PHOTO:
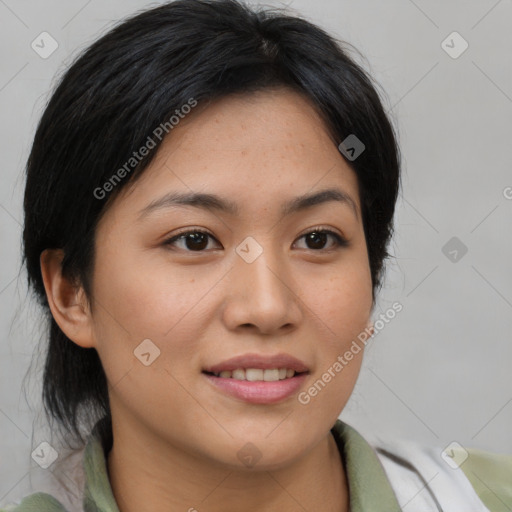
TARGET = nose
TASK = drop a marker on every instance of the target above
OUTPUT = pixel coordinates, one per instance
(261, 296)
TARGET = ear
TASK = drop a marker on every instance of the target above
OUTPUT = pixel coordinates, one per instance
(67, 301)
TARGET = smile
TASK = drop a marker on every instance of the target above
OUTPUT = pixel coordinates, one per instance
(257, 374)
(238, 384)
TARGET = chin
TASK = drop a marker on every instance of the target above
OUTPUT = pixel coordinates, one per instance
(267, 452)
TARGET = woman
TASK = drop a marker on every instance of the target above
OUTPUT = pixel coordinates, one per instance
(209, 199)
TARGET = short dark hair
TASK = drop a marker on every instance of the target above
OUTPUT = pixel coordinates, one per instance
(130, 81)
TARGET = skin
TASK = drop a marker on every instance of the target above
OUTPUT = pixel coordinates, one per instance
(176, 437)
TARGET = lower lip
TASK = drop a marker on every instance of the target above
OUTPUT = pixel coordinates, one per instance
(259, 392)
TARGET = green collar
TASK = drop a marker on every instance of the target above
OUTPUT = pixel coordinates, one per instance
(369, 487)
(98, 495)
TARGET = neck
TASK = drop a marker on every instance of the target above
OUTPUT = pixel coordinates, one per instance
(148, 476)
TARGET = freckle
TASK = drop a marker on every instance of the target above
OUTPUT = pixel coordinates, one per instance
(192, 280)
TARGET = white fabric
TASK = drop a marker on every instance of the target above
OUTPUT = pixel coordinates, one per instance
(431, 485)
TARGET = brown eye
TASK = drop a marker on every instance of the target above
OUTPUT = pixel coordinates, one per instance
(318, 238)
(195, 240)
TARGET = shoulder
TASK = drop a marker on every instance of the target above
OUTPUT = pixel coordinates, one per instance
(452, 477)
(490, 475)
(37, 502)
(83, 469)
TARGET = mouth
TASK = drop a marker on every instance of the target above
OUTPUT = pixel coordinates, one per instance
(258, 378)
(257, 385)
(257, 374)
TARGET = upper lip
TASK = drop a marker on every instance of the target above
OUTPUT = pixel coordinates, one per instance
(245, 361)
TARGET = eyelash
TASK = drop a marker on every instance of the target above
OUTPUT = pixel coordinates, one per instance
(340, 241)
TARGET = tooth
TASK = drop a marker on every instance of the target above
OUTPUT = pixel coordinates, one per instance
(238, 374)
(258, 374)
(271, 375)
(253, 374)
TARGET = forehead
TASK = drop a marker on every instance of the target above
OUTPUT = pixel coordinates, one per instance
(253, 147)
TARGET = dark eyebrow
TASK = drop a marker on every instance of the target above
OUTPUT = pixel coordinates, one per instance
(214, 202)
(324, 196)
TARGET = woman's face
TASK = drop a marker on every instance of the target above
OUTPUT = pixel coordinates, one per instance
(168, 309)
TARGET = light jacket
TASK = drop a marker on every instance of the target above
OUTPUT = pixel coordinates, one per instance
(383, 478)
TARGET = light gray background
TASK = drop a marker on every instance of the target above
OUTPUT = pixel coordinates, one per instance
(440, 371)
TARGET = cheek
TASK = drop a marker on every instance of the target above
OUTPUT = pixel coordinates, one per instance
(341, 307)
(340, 315)
(135, 302)
(342, 300)
(149, 298)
